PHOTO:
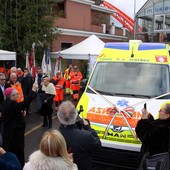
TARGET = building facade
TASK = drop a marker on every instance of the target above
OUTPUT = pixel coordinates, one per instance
(81, 18)
(78, 19)
(152, 21)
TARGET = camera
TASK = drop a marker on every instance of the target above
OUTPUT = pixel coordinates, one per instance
(79, 120)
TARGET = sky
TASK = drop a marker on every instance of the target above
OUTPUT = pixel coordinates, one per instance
(127, 6)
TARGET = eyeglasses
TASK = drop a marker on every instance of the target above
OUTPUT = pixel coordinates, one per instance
(163, 111)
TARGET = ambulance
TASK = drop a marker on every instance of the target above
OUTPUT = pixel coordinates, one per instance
(125, 77)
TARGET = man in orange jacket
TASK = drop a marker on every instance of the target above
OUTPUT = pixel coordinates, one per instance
(59, 84)
(2, 70)
(76, 77)
(67, 79)
(16, 85)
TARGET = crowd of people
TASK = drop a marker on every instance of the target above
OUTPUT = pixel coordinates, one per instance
(71, 146)
(56, 150)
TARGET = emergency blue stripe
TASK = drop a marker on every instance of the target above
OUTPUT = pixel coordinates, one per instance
(120, 46)
(151, 46)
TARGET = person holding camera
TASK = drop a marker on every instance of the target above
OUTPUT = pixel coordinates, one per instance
(154, 133)
(82, 142)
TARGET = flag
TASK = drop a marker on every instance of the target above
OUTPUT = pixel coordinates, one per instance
(57, 65)
(48, 61)
(28, 65)
(33, 60)
(43, 64)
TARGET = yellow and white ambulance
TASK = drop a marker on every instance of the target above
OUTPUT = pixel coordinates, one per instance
(125, 76)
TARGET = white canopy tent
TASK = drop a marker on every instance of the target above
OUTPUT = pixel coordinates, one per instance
(90, 47)
(7, 55)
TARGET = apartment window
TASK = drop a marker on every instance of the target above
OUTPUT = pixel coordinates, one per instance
(59, 9)
(65, 45)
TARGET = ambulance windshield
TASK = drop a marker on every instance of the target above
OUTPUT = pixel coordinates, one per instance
(135, 79)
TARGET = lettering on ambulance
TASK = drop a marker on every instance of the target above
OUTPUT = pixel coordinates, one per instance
(131, 59)
(104, 116)
(139, 60)
(117, 135)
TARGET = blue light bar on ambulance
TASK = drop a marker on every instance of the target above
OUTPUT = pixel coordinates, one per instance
(152, 46)
(120, 46)
(142, 46)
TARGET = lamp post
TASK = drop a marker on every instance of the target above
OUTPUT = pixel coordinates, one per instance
(134, 18)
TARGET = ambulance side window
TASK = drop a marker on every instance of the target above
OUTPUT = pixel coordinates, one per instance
(98, 77)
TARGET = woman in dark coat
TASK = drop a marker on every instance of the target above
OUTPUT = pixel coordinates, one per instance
(48, 92)
(154, 134)
(13, 122)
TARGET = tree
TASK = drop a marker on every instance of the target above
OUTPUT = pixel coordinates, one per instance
(23, 22)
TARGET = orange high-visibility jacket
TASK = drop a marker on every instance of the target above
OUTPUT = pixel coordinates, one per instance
(18, 87)
(59, 88)
(20, 74)
(2, 70)
(76, 78)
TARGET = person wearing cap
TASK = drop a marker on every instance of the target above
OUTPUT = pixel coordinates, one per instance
(48, 93)
(59, 84)
(76, 77)
(13, 121)
(81, 142)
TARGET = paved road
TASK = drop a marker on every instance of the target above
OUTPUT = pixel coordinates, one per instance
(34, 130)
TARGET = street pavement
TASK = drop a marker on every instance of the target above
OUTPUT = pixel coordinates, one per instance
(34, 131)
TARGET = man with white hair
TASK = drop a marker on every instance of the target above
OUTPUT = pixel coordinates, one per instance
(13, 70)
(13, 81)
(81, 142)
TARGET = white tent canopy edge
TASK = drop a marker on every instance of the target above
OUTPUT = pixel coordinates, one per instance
(7, 55)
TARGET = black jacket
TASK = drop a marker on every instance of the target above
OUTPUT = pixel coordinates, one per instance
(13, 123)
(26, 83)
(154, 135)
(2, 95)
(82, 143)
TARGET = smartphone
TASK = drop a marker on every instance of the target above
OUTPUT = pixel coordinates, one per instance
(145, 105)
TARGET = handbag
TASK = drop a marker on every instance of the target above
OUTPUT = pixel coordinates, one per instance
(159, 161)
